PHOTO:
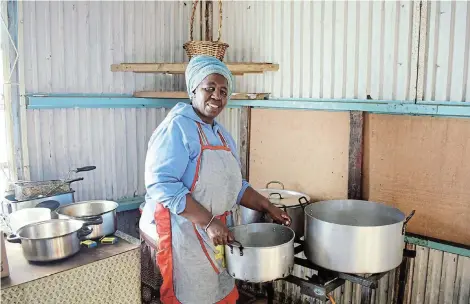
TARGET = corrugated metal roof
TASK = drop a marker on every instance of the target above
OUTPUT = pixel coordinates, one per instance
(114, 140)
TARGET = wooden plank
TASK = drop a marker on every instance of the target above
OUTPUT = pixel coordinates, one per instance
(208, 18)
(462, 281)
(409, 279)
(183, 95)
(419, 275)
(433, 278)
(449, 270)
(245, 141)
(420, 163)
(305, 150)
(356, 123)
(179, 68)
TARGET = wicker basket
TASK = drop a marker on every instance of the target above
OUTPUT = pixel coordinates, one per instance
(212, 48)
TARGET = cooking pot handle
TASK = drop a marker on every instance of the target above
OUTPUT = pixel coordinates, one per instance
(87, 168)
(84, 231)
(239, 246)
(93, 220)
(275, 182)
(275, 193)
(303, 204)
(12, 238)
(406, 220)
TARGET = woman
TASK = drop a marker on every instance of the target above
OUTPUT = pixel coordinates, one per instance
(193, 181)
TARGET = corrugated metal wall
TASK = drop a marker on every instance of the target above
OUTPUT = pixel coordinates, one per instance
(447, 62)
(114, 140)
(325, 49)
(70, 45)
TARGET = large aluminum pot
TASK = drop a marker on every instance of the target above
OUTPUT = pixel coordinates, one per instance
(90, 209)
(354, 236)
(51, 240)
(262, 252)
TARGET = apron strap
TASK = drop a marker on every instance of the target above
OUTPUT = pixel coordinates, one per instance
(202, 136)
(222, 138)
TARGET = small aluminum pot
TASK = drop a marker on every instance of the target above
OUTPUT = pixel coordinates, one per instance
(262, 252)
(292, 202)
(51, 240)
(91, 209)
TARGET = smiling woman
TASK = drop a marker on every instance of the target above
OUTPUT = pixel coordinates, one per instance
(193, 181)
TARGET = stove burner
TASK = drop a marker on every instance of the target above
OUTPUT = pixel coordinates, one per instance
(320, 285)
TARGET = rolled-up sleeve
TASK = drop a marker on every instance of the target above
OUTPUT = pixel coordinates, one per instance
(166, 161)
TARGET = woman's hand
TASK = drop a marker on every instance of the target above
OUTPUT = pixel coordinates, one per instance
(219, 233)
(278, 215)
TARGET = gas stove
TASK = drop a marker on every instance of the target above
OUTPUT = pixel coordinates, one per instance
(325, 281)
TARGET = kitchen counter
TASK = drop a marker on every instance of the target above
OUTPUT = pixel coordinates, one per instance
(104, 274)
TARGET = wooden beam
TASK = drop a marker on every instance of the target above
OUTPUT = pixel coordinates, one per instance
(209, 20)
(245, 141)
(356, 140)
(182, 95)
(179, 68)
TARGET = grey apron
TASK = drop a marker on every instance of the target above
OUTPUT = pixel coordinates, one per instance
(196, 270)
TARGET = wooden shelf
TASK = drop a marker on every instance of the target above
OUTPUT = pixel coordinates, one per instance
(179, 68)
(184, 95)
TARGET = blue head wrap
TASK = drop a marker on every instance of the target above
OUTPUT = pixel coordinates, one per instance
(201, 66)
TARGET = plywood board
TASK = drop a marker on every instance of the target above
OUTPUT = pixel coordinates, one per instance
(421, 163)
(305, 150)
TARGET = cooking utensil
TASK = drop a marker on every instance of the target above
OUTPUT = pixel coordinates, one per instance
(27, 190)
(263, 252)
(21, 218)
(86, 209)
(10, 204)
(49, 204)
(53, 239)
(354, 236)
(248, 216)
(292, 202)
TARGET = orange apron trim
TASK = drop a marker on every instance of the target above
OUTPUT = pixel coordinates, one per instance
(165, 254)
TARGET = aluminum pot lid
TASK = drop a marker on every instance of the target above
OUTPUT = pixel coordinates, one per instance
(284, 198)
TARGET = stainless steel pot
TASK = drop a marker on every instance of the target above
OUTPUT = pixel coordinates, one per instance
(51, 240)
(354, 236)
(24, 217)
(262, 252)
(292, 202)
(10, 204)
(90, 209)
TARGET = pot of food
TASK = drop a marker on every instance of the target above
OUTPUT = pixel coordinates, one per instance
(90, 209)
(262, 252)
(292, 202)
(53, 239)
(354, 236)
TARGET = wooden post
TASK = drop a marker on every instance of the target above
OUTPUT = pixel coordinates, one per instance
(244, 141)
(209, 19)
(356, 123)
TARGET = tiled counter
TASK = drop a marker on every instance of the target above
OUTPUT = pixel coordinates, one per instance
(104, 274)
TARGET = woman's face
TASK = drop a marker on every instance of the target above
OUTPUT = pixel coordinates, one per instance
(210, 97)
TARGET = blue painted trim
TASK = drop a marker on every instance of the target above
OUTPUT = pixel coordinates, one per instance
(451, 109)
(127, 204)
(420, 241)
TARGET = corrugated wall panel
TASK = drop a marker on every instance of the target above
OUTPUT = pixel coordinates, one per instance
(70, 45)
(114, 140)
(325, 49)
(446, 70)
(435, 277)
